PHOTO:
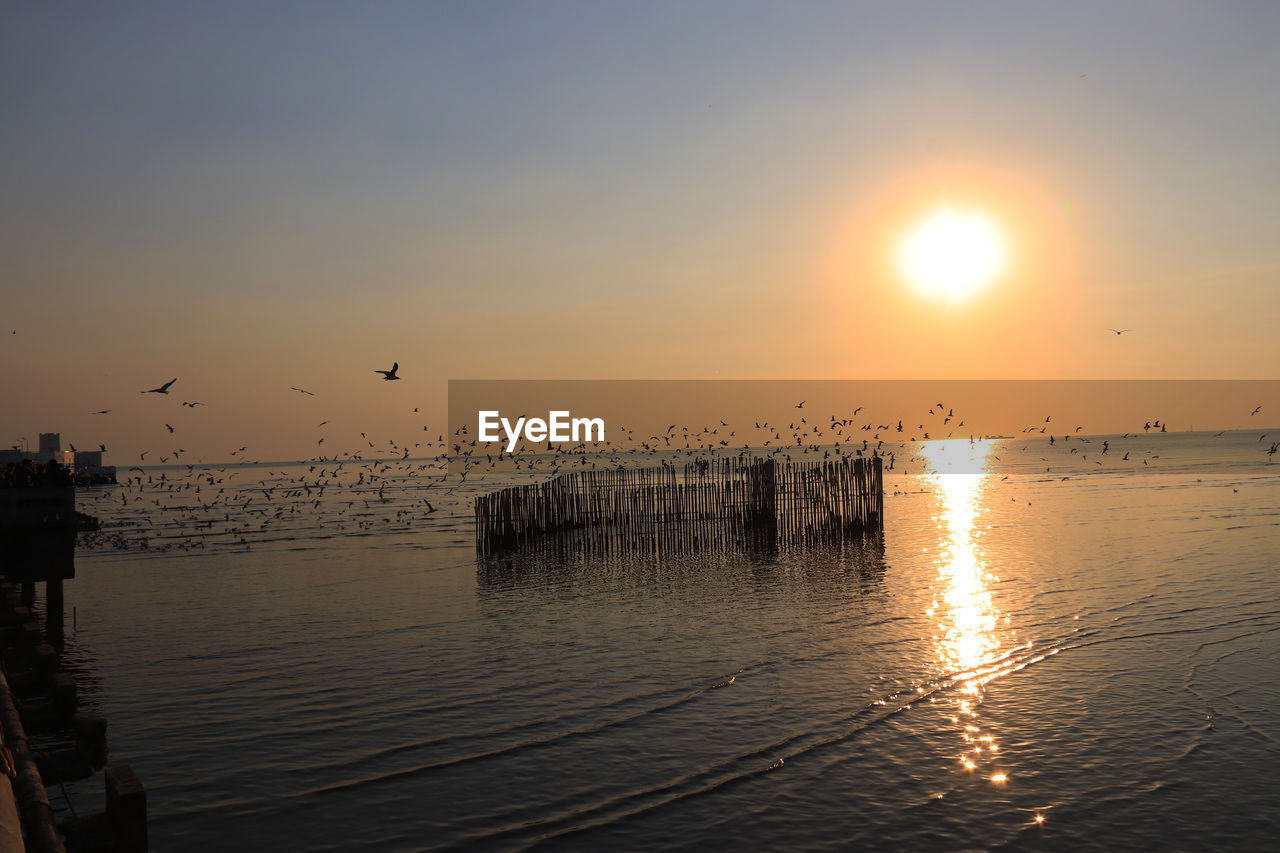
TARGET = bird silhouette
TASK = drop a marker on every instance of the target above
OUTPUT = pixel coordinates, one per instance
(302, 391)
(1119, 331)
(163, 389)
(389, 375)
(1255, 411)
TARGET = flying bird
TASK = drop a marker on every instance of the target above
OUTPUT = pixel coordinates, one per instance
(302, 391)
(389, 375)
(101, 412)
(800, 405)
(1255, 411)
(163, 389)
(1119, 331)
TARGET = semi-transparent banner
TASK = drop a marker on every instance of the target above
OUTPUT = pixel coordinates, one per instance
(1062, 427)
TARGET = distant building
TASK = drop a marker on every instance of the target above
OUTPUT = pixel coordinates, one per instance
(50, 450)
(89, 468)
(87, 458)
(87, 464)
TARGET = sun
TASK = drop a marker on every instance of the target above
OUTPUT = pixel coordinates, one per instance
(953, 254)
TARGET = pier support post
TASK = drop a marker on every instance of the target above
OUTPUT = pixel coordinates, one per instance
(54, 603)
(127, 808)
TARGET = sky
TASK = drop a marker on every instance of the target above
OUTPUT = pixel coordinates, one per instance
(252, 196)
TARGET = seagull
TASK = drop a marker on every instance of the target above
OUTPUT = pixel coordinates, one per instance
(163, 389)
(101, 412)
(389, 375)
(192, 404)
(1255, 411)
(169, 428)
(1119, 331)
(302, 391)
(800, 405)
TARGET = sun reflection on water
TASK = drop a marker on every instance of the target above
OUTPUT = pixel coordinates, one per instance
(969, 646)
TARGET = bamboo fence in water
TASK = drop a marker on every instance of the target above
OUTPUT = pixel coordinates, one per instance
(704, 505)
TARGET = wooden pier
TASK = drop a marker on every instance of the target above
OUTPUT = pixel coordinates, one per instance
(38, 525)
(706, 505)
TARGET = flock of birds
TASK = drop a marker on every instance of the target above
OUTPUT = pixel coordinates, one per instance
(391, 486)
(187, 505)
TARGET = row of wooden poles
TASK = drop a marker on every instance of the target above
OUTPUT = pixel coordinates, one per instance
(705, 504)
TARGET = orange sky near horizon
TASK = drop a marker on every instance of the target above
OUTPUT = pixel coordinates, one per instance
(619, 200)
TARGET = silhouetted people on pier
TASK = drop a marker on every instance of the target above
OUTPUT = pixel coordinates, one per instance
(28, 474)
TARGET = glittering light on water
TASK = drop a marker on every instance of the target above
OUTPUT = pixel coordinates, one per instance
(968, 645)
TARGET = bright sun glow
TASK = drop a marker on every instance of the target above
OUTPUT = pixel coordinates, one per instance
(952, 254)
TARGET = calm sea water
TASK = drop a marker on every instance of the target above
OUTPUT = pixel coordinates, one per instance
(1025, 662)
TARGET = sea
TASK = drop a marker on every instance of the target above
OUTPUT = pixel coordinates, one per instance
(1048, 648)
